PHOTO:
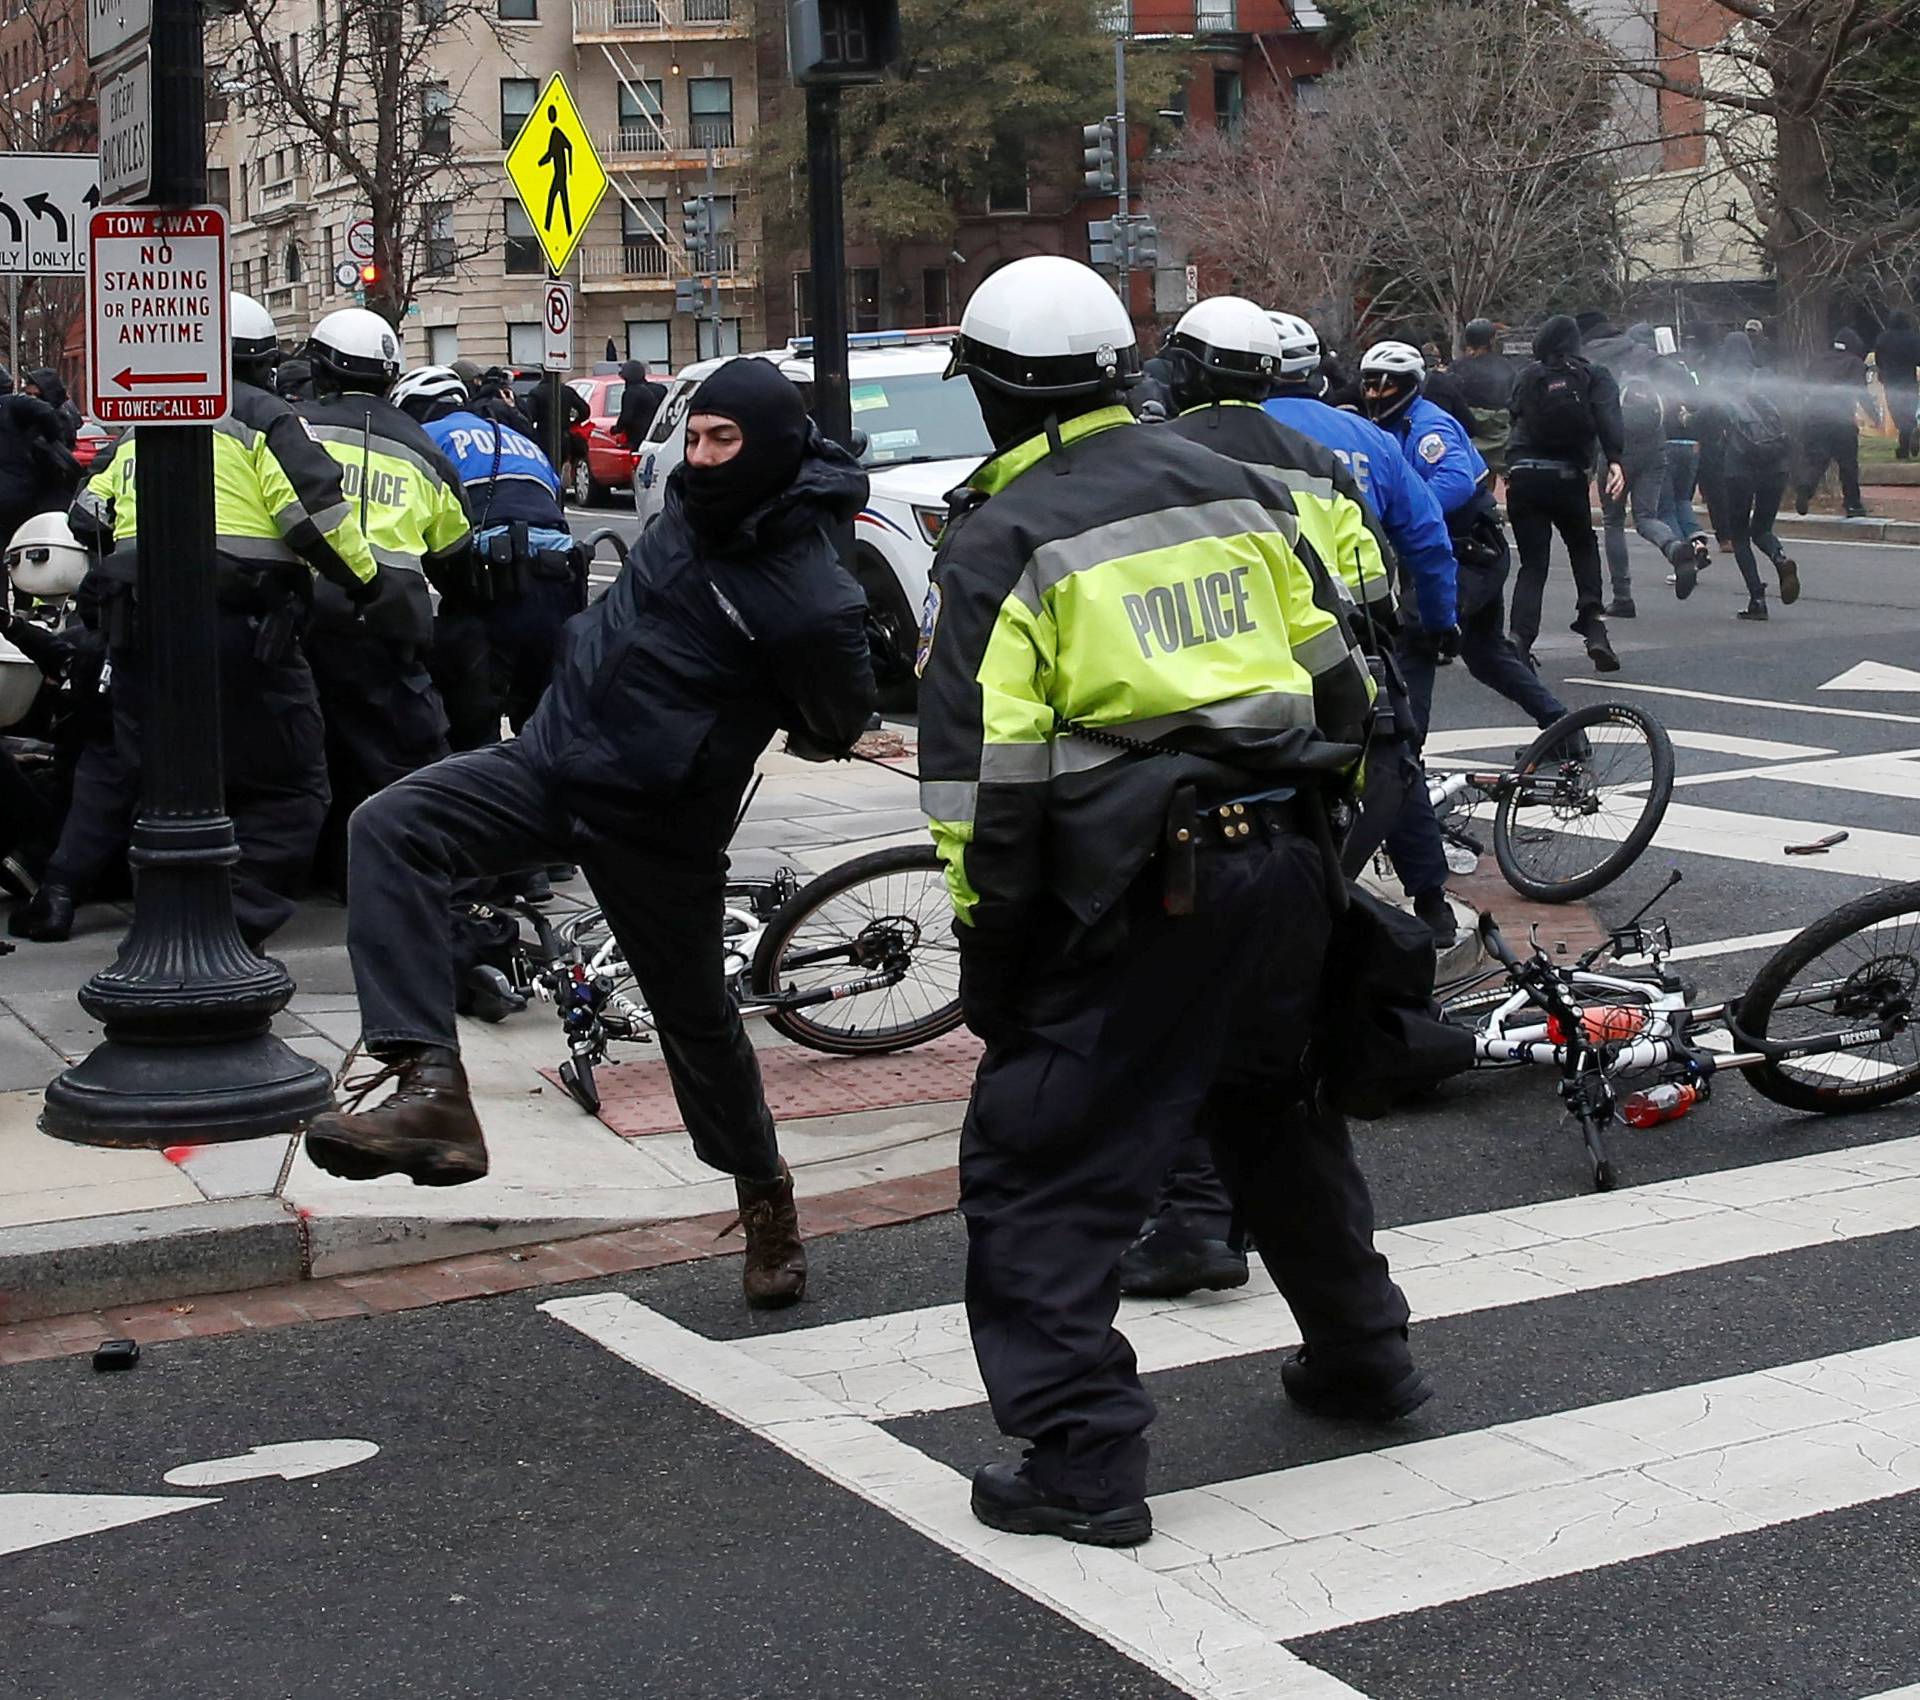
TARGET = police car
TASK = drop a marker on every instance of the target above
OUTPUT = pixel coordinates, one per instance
(923, 436)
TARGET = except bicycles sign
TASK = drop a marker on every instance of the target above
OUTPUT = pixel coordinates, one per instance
(159, 347)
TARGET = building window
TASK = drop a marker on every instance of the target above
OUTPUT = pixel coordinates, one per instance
(710, 111)
(803, 303)
(437, 221)
(216, 94)
(707, 347)
(1214, 15)
(517, 95)
(519, 11)
(864, 287)
(643, 245)
(526, 343)
(1309, 94)
(647, 339)
(443, 344)
(329, 250)
(936, 295)
(430, 12)
(524, 258)
(218, 186)
(1007, 176)
(641, 126)
(1229, 95)
(436, 119)
(295, 268)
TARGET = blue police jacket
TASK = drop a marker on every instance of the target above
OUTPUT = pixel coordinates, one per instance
(521, 486)
(1409, 515)
(1438, 448)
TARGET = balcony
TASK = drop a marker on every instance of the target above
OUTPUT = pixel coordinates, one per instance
(271, 203)
(661, 20)
(1215, 17)
(643, 262)
(658, 145)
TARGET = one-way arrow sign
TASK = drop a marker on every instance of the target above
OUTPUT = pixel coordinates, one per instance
(56, 191)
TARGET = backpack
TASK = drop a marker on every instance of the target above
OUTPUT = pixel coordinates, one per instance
(1755, 430)
(1642, 411)
(1557, 401)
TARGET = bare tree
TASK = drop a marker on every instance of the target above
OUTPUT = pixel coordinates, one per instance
(1784, 89)
(1461, 165)
(366, 90)
(50, 110)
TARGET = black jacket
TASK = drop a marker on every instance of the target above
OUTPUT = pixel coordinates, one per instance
(37, 471)
(54, 393)
(671, 685)
(1558, 342)
(540, 409)
(1897, 354)
(1485, 380)
(1837, 385)
(639, 402)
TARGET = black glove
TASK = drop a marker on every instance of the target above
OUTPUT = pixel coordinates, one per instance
(1446, 644)
(810, 749)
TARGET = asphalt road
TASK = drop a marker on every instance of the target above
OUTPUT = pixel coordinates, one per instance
(1672, 1454)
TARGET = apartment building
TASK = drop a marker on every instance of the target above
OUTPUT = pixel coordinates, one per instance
(664, 87)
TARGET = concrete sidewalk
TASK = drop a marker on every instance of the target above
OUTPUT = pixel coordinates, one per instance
(83, 1228)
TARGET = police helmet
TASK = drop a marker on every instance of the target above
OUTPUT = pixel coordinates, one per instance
(1299, 345)
(1390, 377)
(1228, 335)
(428, 389)
(255, 336)
(45, 559)
(1046, 327)
(1394, 360)
(357, 348)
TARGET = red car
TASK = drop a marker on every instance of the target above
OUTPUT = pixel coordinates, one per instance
(92, 438)
(607, 464)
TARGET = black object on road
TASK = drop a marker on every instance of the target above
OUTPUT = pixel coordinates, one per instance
(116, 1354)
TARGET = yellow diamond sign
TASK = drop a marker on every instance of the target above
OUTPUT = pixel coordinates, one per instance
(556, 173)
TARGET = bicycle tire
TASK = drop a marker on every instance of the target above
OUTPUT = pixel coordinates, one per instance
(928, 924)
(1896, 967)
(1509, 821)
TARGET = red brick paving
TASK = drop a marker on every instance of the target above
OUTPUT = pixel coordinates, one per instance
(1573, 924)
(476, 1275)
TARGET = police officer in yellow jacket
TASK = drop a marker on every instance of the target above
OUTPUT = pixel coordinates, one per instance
(1134, 696)
(282, 525)
(384, 716)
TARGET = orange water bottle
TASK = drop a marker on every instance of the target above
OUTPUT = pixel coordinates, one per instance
(1658, 1104)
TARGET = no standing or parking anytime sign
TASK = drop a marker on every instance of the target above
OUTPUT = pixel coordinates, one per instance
(159, 347)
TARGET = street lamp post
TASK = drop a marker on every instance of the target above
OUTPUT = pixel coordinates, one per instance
(189, 1055)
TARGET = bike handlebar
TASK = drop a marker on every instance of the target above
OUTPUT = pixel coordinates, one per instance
(1493, 943)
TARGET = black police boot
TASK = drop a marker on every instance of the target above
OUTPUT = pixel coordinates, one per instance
(1433, 908)
(1377, 1385)
(47, 919)
(1169, 1263)
(1005, 1498)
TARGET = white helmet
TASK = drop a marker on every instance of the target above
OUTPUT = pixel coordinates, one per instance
(1046, 326)
(1231, 336)
(1299, 345)
(357, 347)
(426, 387)
(1394, 359)
(45, 559)
(255, 335)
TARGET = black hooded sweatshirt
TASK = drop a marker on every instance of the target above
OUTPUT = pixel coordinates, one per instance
(671, 685)
(1555, 346)
(1897, 354)
(54, 394)
(1838, 383)
(640, 400)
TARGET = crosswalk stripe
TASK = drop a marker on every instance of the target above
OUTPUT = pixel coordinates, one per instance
(1323, 1546)
(1207, 1651)
(910, 1362)
(1784, 704)
(1868, 852)
(1910, 1692)
(1890, 773)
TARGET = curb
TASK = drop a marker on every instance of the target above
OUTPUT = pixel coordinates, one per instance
(1831, 528)
(95, 1262)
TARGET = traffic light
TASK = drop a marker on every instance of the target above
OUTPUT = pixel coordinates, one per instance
(836, 42)
(369, 275)
(1103, 242)
(695, 227)
(1143, 244)
(1097, 150)
(687, 297)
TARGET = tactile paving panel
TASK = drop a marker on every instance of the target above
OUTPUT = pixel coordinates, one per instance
(635, 1097)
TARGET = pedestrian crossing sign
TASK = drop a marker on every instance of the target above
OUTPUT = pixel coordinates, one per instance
(556, 173)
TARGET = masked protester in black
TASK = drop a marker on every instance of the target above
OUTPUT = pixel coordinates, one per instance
(733, 618)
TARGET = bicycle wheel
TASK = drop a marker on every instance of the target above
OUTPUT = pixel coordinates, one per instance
(1585, 800)
(1848, 970)
(883, 914)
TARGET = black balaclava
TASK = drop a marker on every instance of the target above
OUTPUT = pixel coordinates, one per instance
(52, 391)
(1558, 338)
(774, 430)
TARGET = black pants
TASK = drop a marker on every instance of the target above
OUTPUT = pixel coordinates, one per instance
(523, 641)
(1539, 503)
(489, 811)
(1752, 496)
(384, 720)
(1835, 443)
(275, 776)
(1491, 658)
(1113, 1051)
(1902, 400)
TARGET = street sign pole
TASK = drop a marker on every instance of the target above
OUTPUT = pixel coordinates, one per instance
(557, 361)
(713, 251)
(832, 398)
(1122, 196)
(188, 1055)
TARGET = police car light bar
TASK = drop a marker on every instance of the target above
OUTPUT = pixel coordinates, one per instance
(882, 339)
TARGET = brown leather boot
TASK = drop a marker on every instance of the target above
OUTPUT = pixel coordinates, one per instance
(776, 1268)
(426, 1131)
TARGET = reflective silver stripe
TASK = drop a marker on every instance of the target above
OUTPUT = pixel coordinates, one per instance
(1167, 529)
(1303, 483)
(952, 800)
(1014, 764)
(1375, 589)
(241, 432)
(253, 548)
(395, 560)
(1322, 651)
(353, 437)
(1271, 711)
(92, 505)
